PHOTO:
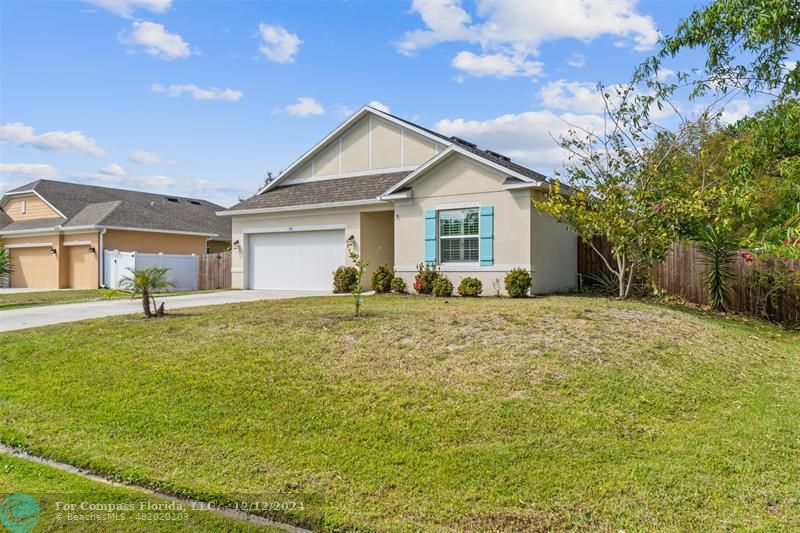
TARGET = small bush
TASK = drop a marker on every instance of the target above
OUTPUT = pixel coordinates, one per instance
(399, 285)
(382, 279)
(344, 279)
(470, 287)
(425, 278)
(518, 283)
(442, 287)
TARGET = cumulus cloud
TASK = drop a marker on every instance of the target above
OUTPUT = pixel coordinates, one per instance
(576, 61)
(133, 182)
(198, 93)
(146, 158)
(19, 134)
(581, 97)
(380, 106)
(113, 170)
(306, 106)
(528, 137)
(516, 30)
(28, 170)
(125, 8)
(278, 44)
(156, 40)
(734, 111)
(498, 65)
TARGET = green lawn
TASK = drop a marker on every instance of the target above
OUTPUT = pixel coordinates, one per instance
(54, 491)
(538, 414)
(31, 299)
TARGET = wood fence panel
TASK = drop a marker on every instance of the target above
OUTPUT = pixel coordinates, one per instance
(681, 274)
(215, 271)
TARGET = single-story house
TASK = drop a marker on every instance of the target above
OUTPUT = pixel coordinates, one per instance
(56, 232)
(404, 195)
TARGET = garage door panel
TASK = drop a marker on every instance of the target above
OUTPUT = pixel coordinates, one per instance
(297, 260)
(34, 268)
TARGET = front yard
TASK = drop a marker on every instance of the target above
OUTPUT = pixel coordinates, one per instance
(554, 413)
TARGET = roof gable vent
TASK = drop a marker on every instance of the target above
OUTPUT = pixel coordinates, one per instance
(498, 156)
(459, 140)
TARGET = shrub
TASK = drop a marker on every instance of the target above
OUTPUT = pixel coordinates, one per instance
(717, 248)
(470, 287)
(518, 283)
(442, 287)
(344, 279)
(399, 285)
(426, 276)
(382, 279)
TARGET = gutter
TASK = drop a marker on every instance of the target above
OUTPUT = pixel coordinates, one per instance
(351, 203)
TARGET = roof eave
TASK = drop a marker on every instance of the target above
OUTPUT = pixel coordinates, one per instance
(304, 207)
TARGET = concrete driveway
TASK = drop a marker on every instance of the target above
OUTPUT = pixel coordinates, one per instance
(31, 317)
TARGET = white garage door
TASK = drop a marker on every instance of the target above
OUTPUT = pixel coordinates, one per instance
(296, 260)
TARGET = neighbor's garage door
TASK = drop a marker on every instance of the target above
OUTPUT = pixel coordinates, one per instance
(33, 268)
(297, 260)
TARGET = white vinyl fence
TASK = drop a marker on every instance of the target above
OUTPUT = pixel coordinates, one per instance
(183, 269)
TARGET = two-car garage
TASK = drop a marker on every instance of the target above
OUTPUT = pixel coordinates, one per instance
(294, 259)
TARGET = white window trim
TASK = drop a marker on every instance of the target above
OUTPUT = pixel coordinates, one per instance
(439, 237)
(23, 207)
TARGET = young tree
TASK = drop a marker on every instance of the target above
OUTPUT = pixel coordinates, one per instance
(145, 282)
(620, 187)
(360, 265)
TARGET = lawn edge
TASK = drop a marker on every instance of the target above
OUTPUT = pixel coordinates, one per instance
(150, 488)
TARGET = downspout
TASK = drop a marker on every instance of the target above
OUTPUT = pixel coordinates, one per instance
(101, 252)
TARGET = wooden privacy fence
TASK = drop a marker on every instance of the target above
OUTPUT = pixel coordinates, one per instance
(681, 274)
(215, 271)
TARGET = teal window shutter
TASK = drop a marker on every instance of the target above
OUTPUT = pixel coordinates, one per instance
(487, 235)
(430, 237)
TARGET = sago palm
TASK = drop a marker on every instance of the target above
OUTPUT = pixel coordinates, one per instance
(5, 265)
(145, 282)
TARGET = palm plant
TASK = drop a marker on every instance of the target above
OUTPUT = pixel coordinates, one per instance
(145, 282)
(718, 250)
(5, 265)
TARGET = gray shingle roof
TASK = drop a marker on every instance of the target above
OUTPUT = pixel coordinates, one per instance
(324, 191)
(361, 187)
(89, 205)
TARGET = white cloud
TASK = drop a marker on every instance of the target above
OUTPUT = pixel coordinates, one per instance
(113, 170)
(28, 170)
(198, 93)
(147, 158)
(344, 111)
(665, 74)
(735, 110)
(19, 134)
(524, 136)
(134, 182)
(125, 8)
(498, 65)
(277, 44)
(575, 96)
(517, 29)
(380, 106)
(577, 61)
(156, 40)
(790, 65)
(305, 107)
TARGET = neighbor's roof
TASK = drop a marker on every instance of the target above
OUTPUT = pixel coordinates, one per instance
(337, 190)
(89, 205)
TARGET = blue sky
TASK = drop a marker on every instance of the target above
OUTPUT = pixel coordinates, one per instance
(201, 98)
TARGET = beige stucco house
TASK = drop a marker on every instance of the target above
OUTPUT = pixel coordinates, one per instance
(404, 195)
(56, 232)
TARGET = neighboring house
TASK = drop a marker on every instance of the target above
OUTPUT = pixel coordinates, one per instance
(56, 232)
(404, 195)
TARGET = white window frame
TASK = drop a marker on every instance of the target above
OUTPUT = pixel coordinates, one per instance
(439, 237)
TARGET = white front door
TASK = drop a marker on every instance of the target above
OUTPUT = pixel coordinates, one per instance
(295, 260)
